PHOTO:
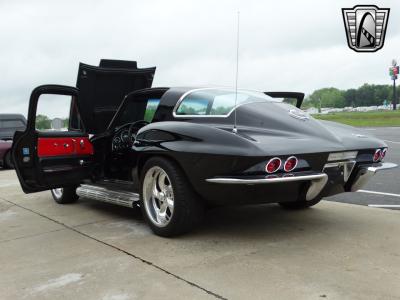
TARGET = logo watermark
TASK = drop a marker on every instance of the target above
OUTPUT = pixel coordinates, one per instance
(365, 27)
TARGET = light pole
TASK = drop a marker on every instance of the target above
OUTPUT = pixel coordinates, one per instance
(393, 72)
(320, 105)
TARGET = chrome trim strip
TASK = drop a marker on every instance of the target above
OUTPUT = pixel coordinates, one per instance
(383, 166)
(227, 180)
(365, 173)
(339, 156)
(316, 187)
(318, 182)
(122, 198)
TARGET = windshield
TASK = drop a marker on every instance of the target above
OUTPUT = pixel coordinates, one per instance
(217, 102)
(133, 111)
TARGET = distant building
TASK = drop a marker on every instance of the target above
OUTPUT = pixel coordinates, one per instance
(57, 124)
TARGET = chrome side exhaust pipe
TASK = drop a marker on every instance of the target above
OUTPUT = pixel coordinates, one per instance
(118, 197)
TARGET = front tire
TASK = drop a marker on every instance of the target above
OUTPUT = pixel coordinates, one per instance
(8, 164)
(168, 202)
(65, 195)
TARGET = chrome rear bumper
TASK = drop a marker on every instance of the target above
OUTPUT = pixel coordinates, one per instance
(366, 172)
(317, 181)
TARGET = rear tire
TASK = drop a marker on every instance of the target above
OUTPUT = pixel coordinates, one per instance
(65, 195)
(302, 204)
(8, 164)
(167, 200)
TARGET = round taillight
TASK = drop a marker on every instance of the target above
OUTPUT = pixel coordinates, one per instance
(383, 153)
(290, 163)
(377, 155)
(273, 165)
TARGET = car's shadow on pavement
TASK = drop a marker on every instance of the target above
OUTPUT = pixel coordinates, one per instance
(253, 221)
(114, 211)
(249, 222)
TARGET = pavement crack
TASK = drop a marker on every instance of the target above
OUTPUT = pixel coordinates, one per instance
(89, 223)
(145, 261)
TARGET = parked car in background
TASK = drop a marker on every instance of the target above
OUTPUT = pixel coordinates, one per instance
(9, 123)
(5, 154)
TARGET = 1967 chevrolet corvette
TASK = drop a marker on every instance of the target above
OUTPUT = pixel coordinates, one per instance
(175, 151)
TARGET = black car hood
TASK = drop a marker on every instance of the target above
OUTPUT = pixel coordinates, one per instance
(282, 128)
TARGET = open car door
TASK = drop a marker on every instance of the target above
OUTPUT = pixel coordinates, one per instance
(47, 159)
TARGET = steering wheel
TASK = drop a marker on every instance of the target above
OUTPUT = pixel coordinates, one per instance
(138, 124)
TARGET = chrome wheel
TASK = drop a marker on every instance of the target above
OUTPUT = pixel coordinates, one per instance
(158, 196)
(57, 192)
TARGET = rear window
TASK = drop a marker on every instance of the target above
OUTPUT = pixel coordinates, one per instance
(12, 123)
(217, 102)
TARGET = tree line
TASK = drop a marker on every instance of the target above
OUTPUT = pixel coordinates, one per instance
(365, 95)
(44, 122)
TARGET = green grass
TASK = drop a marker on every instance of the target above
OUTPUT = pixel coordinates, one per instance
(373, 118)
(149, 114)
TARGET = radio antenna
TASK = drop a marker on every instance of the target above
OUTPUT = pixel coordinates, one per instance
(234, 130)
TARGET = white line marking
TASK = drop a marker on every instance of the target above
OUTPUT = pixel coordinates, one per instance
(384, 205)
(59, 282)
(379, 193)
(392, 142)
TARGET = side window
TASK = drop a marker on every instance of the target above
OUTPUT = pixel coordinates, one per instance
(52, 112)
(191, 106)
(151, 108)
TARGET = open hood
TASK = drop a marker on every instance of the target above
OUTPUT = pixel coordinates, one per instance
(102, 89)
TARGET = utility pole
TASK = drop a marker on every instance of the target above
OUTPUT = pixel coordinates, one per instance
(393, 72)
(394, 94)
(320, 105)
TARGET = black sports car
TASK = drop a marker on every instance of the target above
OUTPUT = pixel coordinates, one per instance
(175, 151)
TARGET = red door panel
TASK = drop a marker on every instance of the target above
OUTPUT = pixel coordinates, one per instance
(63, 146)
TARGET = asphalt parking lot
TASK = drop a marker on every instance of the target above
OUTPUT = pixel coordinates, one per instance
(93, 250)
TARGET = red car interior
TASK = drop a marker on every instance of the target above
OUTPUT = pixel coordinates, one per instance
(64, 146)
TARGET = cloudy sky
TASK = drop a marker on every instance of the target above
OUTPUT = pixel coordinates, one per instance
(284, 45)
